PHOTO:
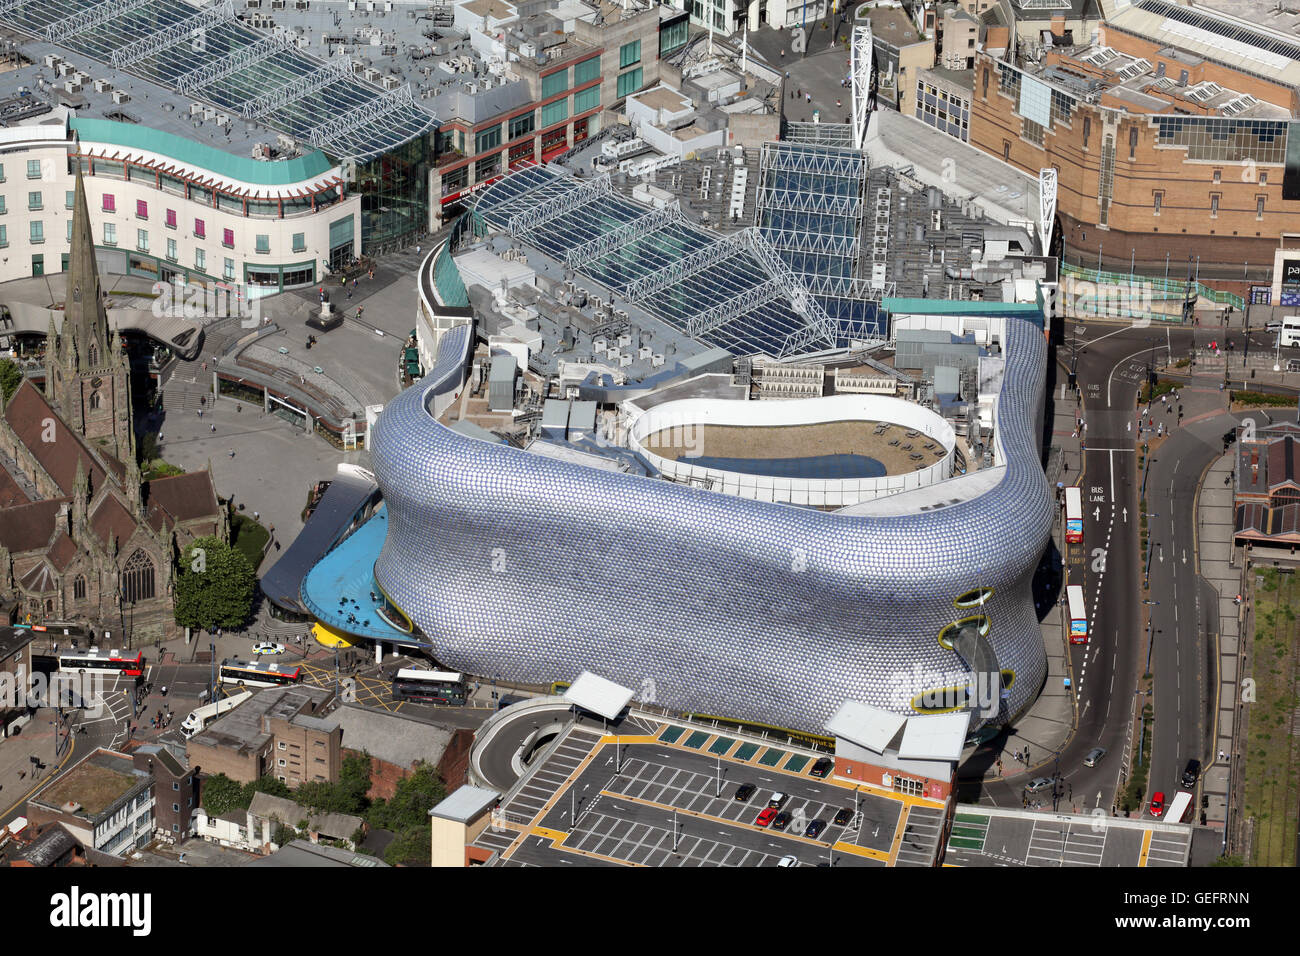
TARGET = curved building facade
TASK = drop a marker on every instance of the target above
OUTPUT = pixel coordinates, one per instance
(535, 569)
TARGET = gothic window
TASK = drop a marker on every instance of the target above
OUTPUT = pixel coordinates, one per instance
(94, 400)
(49, 607)
(94, 356)
(79, 588)
(137, 578)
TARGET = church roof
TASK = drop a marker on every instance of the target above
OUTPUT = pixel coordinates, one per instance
(29, 414)
(183, 497)
(112, 518)
(11, 493)
(40, 579)
(29, 527)
(62, 551)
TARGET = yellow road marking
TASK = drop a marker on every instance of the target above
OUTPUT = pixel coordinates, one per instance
(897, 843)
(1146, 847)
(862, 851)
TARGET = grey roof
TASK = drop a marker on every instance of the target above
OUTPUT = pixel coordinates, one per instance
(305, 853)
(466, 804)
(48, 848)
(393, 738)
(503, 368)
(471, 430)
(269, 807)
(242, 728)
(598, 695)
(166, 758)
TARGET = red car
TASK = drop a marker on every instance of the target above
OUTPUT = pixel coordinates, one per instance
(1157, 803)
(766, 816)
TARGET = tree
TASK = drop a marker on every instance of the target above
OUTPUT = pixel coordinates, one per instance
(214, 587)
(348, 795)
(221, 795)
(11, 377)
(412, 847)
(413, 798)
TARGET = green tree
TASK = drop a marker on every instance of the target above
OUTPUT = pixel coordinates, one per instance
(348, 795)
(214, 587)
(412, 847)
(1229, 861)
(268, 784)
(413, 798)
(11, 377)
(221, 795)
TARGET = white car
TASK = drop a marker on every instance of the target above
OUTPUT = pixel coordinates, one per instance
(788, 861)
(267, 647)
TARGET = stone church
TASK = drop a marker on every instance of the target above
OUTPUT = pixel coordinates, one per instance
(82, 537)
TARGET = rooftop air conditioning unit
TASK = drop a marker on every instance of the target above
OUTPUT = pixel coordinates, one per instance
(72, 86)
(103, 86)
(52, 60)
(121, 96)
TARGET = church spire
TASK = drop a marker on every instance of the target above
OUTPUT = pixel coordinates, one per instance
(85, 321)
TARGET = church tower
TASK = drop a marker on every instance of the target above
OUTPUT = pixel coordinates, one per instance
(87, 373)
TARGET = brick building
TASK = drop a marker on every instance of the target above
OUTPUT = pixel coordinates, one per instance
(398, 743)
(16, 666)
(176, 791)
(285, 731)
(1170, 142)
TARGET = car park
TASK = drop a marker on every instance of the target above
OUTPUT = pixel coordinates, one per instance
(745, 791)
(1157, 803)
(765, 816)
(782, 820)
(268, 647)
(815, 828)
(842, 816)
(822, 767)
(1191, 774)
(1094, 756)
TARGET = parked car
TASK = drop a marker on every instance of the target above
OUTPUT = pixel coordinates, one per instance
(822, 767)
(745, 791)
(1038, 785)
(268, 647)
(1157, 803)
(776, 800)
(815, 829)
(788, 861)
(842, 816)
(782, 820)
(1191, 774)
(1094, 756)
(765, 816)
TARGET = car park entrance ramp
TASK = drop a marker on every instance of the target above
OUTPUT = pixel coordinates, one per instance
(596, 695)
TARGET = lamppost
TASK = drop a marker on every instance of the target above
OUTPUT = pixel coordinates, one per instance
(212, 670)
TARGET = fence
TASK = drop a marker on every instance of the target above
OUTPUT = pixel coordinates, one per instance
(1172, 287)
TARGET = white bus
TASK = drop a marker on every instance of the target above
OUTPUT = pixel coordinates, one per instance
(1078, 614)
(1074, 515)
(1289, 334)
(258, 673)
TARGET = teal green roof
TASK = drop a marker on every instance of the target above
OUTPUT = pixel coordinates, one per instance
(448, 281)
(245, 169)
(958, 307)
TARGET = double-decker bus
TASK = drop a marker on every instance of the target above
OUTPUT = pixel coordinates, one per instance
(439, 687)
(127, 663)
(1074, 515)
(258, 673)
(1078, 614)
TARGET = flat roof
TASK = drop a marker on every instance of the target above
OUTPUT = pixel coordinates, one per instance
(466, 804)
(935, 736)
(865, 725)
(598, 695)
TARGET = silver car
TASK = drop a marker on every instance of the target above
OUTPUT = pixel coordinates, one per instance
(1094, 756)
(1038, 784)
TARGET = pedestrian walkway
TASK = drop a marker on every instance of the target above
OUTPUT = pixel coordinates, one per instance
(1219, 565)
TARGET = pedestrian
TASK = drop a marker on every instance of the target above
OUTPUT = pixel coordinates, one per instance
(239, 408)
(783, 53)
(200, 413)
(213, 427)
(809, 96)
(372, 274)
(349, 293)
(232, 453)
